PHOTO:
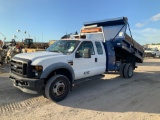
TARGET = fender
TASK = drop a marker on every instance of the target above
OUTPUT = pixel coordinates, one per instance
(55, 66)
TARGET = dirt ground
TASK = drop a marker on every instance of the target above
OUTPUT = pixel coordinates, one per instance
(107, 98)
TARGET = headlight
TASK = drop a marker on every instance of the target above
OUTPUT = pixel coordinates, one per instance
(37, 68)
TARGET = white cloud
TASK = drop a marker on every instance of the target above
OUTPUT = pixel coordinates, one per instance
(140, 24)
(147, 36)
(150, 30)
(155, 17)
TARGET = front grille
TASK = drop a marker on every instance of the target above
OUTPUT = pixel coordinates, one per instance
(18, 67)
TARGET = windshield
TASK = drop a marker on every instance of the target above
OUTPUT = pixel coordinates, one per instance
(63, 46)
(28, 41)
(153, 49)
(147, 48)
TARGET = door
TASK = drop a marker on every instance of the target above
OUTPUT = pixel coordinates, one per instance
(101, 58)
(84, 67)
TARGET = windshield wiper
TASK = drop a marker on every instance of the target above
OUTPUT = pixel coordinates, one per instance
(56, 51)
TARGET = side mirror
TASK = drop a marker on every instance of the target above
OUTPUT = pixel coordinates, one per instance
(78, 54)
(87, 53)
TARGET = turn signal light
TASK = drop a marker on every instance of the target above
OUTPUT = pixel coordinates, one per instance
(90, 30)
(37, 68)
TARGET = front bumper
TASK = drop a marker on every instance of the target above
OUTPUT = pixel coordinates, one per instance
(27, 85)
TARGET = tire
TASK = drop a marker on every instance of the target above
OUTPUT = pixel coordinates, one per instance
(128, 70)
(57, 88)
(121, 70)
(154, 55)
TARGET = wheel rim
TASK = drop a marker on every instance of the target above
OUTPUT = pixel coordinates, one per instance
(130, 71)
(59, 88)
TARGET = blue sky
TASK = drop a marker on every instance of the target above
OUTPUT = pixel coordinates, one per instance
(48, 20)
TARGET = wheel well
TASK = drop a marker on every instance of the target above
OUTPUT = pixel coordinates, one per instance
(131, 59)
(62, 71)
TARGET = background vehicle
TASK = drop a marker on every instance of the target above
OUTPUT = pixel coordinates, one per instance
(23, 47)
(3, 52)
(31, 46)
(152, 52)
(1, 56)
(101, 46)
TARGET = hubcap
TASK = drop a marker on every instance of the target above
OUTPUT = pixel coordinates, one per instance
(59, 88)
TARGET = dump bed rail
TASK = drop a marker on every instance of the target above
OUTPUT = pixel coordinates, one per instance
(133, 43)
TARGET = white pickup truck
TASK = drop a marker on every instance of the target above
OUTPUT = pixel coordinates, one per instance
(101, 46)
(152, 52)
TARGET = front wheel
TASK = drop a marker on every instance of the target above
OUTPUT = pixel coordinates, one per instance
(57, 88)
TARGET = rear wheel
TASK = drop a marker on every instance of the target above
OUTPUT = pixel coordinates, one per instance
(128, 70)
(154, 55)
(121, 70)
(57, 88)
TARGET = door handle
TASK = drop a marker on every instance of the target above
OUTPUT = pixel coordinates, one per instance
(95, 59)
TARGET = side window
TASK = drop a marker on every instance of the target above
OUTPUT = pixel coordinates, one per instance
(83, 46)
(99, 48)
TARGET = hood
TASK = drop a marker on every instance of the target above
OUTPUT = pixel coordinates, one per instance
(36, 55)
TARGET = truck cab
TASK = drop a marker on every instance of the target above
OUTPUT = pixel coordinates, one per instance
(86, 57)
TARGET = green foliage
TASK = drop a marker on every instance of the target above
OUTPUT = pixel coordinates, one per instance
(153, 44)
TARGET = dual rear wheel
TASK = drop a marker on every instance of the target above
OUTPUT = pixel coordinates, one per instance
(126, 70)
